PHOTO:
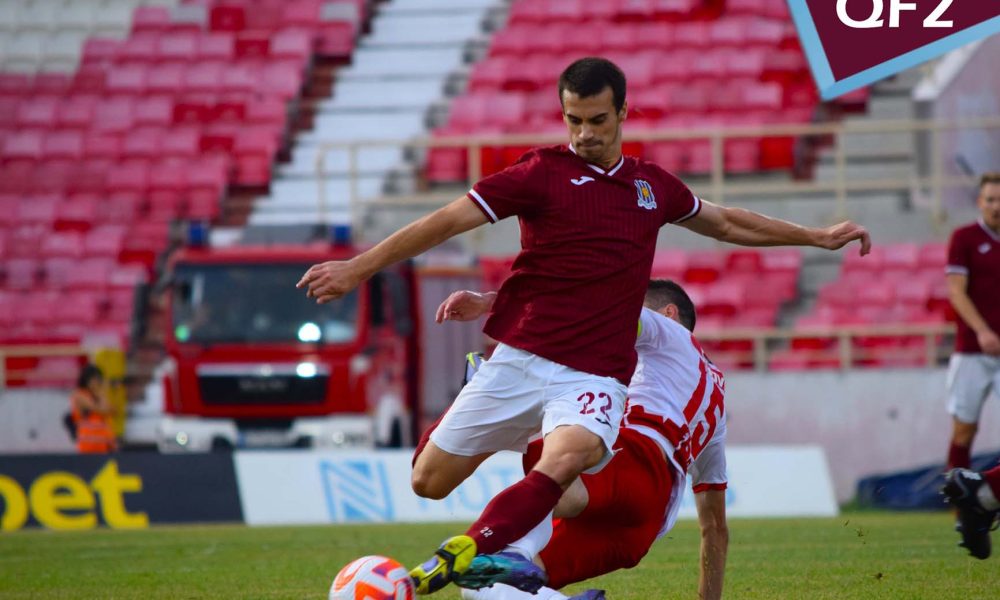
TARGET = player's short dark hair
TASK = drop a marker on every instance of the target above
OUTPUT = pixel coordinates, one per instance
(662, 292)
(589, 76)
(87, 373)
(988, 178)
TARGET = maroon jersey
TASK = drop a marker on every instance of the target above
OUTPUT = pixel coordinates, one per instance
(587, 242)
(974, 251)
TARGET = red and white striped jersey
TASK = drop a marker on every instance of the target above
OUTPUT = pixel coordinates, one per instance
(677, 398)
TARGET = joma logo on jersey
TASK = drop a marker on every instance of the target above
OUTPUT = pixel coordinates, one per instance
(646, 198)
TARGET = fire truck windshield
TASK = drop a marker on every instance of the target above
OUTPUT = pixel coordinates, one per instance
(255, 303)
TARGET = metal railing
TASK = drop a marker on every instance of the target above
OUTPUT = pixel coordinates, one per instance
(720, 188)
(850, 345)
(60, 377)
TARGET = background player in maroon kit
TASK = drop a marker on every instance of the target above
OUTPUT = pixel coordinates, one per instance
(589, 219)
(974, 286)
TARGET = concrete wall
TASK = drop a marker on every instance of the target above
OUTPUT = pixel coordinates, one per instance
(869, 422)
(31, 421)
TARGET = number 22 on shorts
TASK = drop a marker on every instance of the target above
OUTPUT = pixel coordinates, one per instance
(588, 399)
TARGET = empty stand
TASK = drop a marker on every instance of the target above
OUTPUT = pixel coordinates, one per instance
(686, 65)
(118, 117)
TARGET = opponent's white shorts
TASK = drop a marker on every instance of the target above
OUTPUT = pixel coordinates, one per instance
(970, 379)
(517, 394)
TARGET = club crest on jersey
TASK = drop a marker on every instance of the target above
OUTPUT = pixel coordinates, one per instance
(984, 247)
(646, 198)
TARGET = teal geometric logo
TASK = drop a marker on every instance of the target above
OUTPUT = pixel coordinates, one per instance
(357, 491)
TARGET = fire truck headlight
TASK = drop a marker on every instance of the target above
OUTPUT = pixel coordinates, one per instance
(181, 438)
(305, 369)
(309, 332)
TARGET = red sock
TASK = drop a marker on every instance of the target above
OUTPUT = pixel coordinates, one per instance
(514, 512)
(992, 477)
(959, 457)
(426, 437)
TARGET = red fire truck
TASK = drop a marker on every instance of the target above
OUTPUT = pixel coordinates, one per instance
(252, 362)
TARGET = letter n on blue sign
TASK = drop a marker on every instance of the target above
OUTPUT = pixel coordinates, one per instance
(356, 491)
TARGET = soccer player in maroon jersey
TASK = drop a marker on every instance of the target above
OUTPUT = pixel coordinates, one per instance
(974, 288)
(589, 219)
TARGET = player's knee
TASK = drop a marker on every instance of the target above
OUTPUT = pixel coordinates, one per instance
(564, 467)
(426, 485)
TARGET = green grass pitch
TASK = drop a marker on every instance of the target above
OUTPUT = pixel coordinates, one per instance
(858, 555)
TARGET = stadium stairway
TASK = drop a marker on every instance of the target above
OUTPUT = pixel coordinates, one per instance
(397, 74)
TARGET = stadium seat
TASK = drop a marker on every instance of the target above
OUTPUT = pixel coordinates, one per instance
(104, 241)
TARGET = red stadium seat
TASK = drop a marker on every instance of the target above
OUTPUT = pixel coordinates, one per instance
(63, 144)
(20, 273)
(104, 241)
(669, 264)
(38, 210)
(78, 214)
(204, 77)
(75, 111)
(704, 267)
(38, 111)
(216, 46)
(100, 51)
(26, 145)
(933, 256)
(146, 242)
(178, 46)
(38, 307)
(66, 244)
(227, 17)
(143, 142)
(139, 48)
(295, 44)
(129, 176)
(114, 114)
(151, 18)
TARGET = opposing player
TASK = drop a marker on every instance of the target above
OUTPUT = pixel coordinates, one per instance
(675, 421)
(589, 220)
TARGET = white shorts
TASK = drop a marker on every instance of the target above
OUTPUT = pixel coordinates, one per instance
(517, 394)
(970, 379)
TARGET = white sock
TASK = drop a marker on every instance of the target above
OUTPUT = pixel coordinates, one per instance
(505, 592)
(532, 543)
(986, 497)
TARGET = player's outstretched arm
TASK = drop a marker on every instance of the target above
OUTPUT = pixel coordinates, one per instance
(331, 280)
(711, 506)
(465, 305)
(747, 228)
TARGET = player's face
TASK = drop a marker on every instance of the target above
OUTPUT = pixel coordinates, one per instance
(989, 205)
(595, 128)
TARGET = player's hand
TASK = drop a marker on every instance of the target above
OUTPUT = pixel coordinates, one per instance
(330, 280)
(464, 306)
(989, 342)
(837, 236)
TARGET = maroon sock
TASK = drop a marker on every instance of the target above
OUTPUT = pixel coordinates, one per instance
(992, 477)
(514, 512)
(426, 437)
(959, 457)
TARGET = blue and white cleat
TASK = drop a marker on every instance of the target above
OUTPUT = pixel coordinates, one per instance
(589, 595)
(509, 568)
